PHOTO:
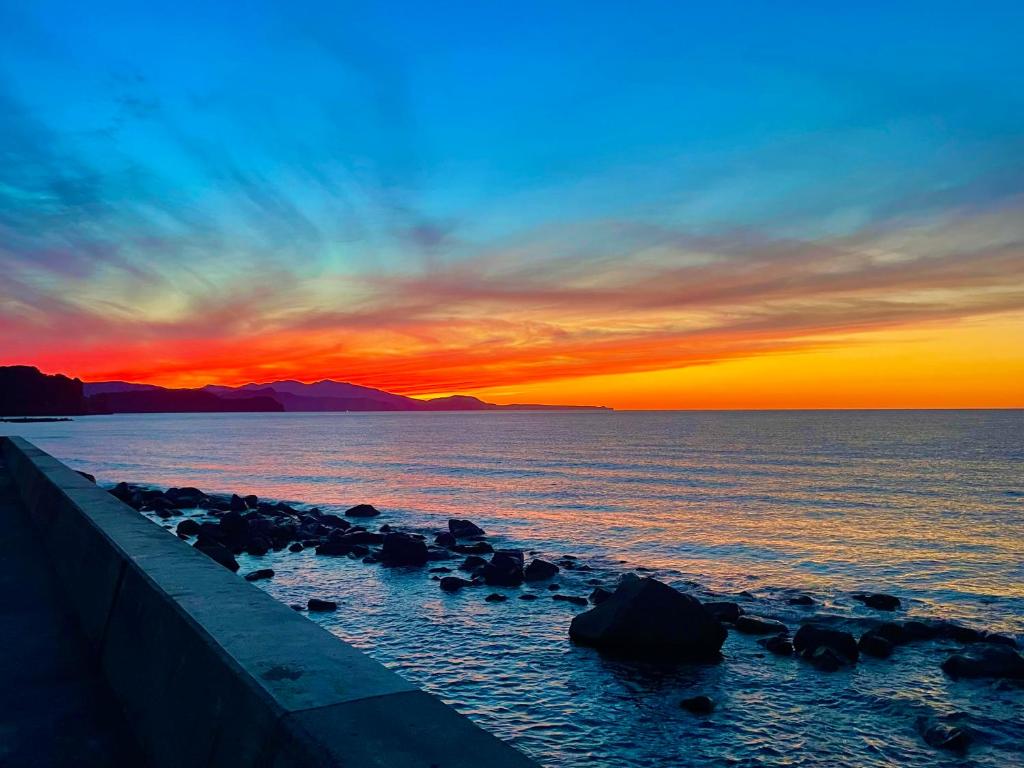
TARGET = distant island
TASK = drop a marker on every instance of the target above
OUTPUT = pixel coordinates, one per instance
(25, 391)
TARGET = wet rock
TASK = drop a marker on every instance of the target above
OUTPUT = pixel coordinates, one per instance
(874, 644)
(258, 546)
(364, 537)
(494, 597)
(86, 475)
(646, 618)
(186, 498)
(464, 529)
(801, 600)
(538, 570)
(476, 548)
(218, 553)
(333, 521)
(599, 595)
(336, 547)
(505, 568)
(911, 631)
(445, 540)
(234, 530)
(472, 563)
(724, 611)
(570, 599)
(403, 549)
(296, 547)
(812, 637)
(252, 501)
(454, 583)
(440, 569)
(437, 553)
(554, 587)
(527, 596)
(827, 659)
(780, 645)
(698, 705)
(984, 660)
(316, 604)
(878, 600)
(262, 573)
(237, 504)
(362, 510)
(755, 625)
(942, 736)
(160, 504)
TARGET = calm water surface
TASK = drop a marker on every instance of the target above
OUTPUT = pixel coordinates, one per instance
(926, 505)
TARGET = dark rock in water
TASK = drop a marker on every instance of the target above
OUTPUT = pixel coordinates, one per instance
(403, 549)
(527, 596)
(235, 530)
(570, 599)
(874, 644)
(494, 597)
(316, 604)
(86, 475)
(878, 600)
(538, 570)
(943, 736)
(810, 637)
(505, 568)
(472, 562)
(593, 582)
(437, 553)
(258, 546)
(237, 504)
(755, 625)
(251, 501)
(333, 548)
(362, 510)
(699, 705)
(454, 583)
(780, 645)
(992, 637)
(160, 504)
(826, 659)
(464, 529)
(218, 553)
(554, 587)
(891, 631)
(440, 569)
(296, 547)
(599, 595)
(364, 537)
(445, 540)
(911, 631)
(801, 600)
(333, 521)
(724, 611)
(645, 617)
(986, 660)
(121, 491)
(262, 573)
(476, 548)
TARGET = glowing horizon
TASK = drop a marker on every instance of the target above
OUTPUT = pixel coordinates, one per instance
(652, 208)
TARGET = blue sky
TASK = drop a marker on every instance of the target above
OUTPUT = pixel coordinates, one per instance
(156, 153)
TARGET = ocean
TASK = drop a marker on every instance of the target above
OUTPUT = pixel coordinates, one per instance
(748, 506)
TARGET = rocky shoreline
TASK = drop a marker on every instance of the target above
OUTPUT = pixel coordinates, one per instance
(628, 615)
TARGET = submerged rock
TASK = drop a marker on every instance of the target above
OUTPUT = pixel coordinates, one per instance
(811, 637)
(316, 604)
(942, 736)
(827, 659)
(476, 548)
(878, 600)
(454, 583)
(986, 660)
(874, 644)
(801, 600)
(645, 617)
(538, 570)
(528, 596)
(494, 597)
(780, 645)
(445, 540)
(262, 573)
(296, 547)
(464, 529)
(472, 563)
(755, 625)
(699, 705)
(573, 599)
(362, 510)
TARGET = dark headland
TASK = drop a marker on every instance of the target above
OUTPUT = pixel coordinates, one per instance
(25, 391)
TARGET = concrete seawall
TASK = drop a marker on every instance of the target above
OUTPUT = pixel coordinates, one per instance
(212, 671)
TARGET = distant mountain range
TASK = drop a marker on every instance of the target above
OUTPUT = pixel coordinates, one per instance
(25, 391)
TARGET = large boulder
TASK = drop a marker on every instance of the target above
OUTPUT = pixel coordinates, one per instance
(812, 637)
(464, 529)
(505, 568)
(362, 510)
(986, 660)
(403, 549)
(645, 618)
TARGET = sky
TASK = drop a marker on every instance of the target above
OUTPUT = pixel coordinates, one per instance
(641, 205)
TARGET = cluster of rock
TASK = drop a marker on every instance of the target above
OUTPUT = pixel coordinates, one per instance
(641, 617)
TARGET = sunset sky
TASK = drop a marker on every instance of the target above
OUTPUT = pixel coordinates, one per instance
(643, 205)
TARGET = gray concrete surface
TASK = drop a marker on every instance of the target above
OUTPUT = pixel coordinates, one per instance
(211, 671)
